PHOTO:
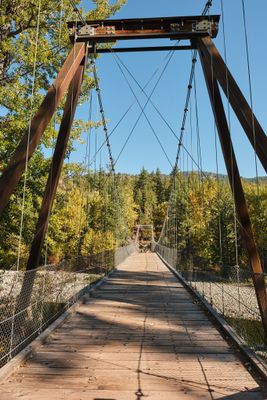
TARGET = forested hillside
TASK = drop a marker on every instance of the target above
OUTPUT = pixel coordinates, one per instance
(90, 216)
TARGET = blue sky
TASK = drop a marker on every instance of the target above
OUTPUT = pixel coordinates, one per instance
(169, 97)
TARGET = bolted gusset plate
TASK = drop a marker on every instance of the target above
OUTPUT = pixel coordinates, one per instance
(99, 31)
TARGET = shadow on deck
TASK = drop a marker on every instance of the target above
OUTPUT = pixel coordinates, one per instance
(139, 335)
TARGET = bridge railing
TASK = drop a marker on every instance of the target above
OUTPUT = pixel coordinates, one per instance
(229, 289)
(32, 300)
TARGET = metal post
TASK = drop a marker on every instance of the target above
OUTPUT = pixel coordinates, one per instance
(56, 165)
(236, 186)
(243, 111)
(16, 166)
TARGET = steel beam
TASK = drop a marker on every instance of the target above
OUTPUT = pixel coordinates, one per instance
(236, 186)
(141, 49)
(16, 166)
(243, 111)
(110, 30)
(56, 166)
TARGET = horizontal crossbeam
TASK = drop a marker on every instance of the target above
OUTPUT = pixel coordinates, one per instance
(140, 49)
(100, 31)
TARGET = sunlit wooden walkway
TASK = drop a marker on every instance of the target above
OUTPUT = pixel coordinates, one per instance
(139, 336)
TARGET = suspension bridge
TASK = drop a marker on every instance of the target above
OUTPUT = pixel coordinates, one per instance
(147, 318)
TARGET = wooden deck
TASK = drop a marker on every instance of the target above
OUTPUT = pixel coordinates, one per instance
(139, 336)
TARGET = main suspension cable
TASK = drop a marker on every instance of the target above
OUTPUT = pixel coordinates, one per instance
(187, 100)
(207, 7)
(144, 92)
(180, 139)
(144, 107)
(132, 104)
(189, 89)
(76, 9)
(145, 115)
(206, 10)
(101, 109)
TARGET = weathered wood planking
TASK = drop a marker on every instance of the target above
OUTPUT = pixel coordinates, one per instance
(140, 335)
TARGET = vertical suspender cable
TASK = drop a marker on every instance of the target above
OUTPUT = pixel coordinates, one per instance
(217, 171)
(88, 152)
(250, 89)
(54, 128)
(251, 105)
(26, 164)
(230, 130)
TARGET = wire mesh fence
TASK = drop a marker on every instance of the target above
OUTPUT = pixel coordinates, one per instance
(229, 289)
(32, 300)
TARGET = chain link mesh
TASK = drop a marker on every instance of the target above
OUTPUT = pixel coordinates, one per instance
(230, 290)
(32, 300)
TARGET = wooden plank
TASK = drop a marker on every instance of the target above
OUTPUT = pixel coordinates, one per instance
(102, 353)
